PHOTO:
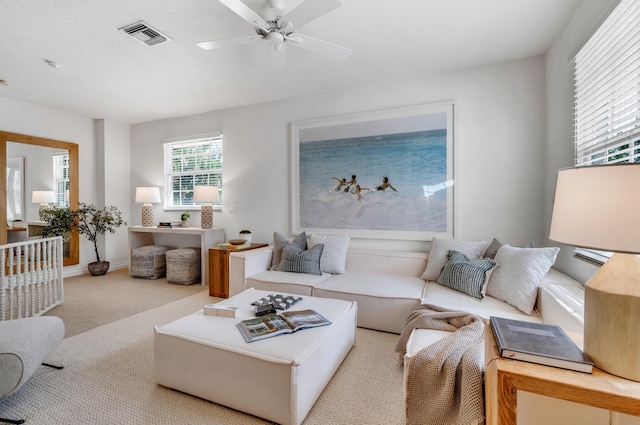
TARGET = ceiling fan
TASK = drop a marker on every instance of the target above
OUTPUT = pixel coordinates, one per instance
(280, 31)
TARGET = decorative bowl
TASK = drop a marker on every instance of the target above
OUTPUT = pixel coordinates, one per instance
(237, 241)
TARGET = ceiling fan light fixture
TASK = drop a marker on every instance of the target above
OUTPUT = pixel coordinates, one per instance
(275, 37)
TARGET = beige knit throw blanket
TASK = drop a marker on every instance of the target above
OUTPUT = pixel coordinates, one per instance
(445, 380)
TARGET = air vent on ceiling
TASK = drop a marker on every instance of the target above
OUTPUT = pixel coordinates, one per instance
(142, 32)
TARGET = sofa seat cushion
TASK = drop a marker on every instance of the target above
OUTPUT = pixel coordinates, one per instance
(384, 300)
(450, 298)
(289, 282)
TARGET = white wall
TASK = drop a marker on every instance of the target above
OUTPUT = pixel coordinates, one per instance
(559, 115)
(499, 151)
(34, 120)
(113, 167)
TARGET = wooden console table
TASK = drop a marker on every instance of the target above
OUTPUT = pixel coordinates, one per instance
(504, 377)
(219, 269)
(178, 237)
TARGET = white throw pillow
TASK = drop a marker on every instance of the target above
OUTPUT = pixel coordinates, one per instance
(438, 254)
(334, 256)
(521, 270)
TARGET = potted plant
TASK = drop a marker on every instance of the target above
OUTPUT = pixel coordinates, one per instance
(60, 222)
(246, 235)
(186, 222)
(94, 221)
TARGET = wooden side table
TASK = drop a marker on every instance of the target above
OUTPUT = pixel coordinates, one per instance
(504, 377)
(219, 269)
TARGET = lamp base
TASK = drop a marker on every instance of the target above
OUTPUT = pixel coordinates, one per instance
(147, 215)
(206, 218)
(41, 211)
(611, 317)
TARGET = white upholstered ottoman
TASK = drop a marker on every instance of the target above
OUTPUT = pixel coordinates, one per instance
(278, 378)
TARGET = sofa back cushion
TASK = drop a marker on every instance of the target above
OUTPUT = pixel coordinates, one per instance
(404, 263)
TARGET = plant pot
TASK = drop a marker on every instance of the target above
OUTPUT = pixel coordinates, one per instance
(98, 268)
(186, 223)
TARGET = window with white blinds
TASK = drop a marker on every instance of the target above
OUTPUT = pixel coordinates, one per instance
(61, 179)
(190, 163)
(607, 97)
(607, 90)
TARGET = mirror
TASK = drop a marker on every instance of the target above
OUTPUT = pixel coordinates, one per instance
(72, 254)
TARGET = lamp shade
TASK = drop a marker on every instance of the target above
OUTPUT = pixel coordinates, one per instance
(597, 207)
(43, 196)
(147, 195)
(206, 194)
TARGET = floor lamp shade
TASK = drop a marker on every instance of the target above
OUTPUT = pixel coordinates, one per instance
(147, 196)
(596, 207)
(206, 195)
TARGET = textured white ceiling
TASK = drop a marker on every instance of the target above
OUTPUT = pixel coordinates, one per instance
(105, 73)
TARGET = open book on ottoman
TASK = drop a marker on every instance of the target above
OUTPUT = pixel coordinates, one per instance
(277, 324)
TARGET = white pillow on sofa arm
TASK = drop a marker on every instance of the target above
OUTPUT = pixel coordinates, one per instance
(521, 270)
(438, 254)
(334, 256)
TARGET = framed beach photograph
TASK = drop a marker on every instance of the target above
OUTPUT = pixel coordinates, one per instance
(383, 175)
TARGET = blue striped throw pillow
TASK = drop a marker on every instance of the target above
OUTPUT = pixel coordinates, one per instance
(296, 260)
(464, 275)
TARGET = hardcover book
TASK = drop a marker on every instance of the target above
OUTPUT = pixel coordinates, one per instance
(538, 343)
(286, 322)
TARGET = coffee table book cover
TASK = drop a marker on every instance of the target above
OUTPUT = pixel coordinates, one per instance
(286, 322)
(538, 343)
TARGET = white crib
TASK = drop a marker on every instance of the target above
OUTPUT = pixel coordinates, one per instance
(30, 277)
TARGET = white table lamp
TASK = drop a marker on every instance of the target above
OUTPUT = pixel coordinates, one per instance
(206, 195)
(597, 207)
(44, 198)
(147, 196)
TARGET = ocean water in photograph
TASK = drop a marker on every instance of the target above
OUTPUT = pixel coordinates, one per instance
(349, 183)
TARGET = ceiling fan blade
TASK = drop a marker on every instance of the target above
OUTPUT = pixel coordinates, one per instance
(244, 12)
(323, 47)
(308, 11)
(230, 42)
(278, 59)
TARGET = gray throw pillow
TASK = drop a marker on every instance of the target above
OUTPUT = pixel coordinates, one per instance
(280, 242)
(492, 249)
(298, 261)
(468, 276)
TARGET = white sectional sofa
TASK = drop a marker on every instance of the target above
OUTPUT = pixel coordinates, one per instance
(387, 286)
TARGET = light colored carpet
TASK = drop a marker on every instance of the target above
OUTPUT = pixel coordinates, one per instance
(108, 379)
(92, 301)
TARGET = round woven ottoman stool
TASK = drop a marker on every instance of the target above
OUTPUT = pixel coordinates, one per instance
(148, 262)
(183, 266)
